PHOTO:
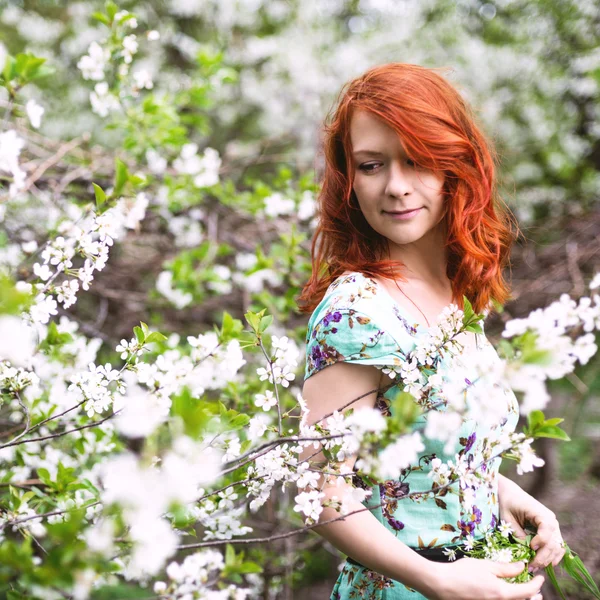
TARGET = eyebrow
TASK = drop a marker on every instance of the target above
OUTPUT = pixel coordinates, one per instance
(368, 153)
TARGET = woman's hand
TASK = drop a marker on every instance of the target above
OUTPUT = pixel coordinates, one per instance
(475, 579)
(518, 508)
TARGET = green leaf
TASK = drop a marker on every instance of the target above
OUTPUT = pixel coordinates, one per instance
(474, 327)
(468, 309)
(239, 422)
(9, 71)
(253, 320)
(574, 566)
(264, 323)
(230, 328)
(139, 335)
(44, 475)
(144, 327)
(229, 555)
(552, 576)
(41, 71)
(136, 179)
(111, 9)
(551, 431)
(12, 301)
(101, 17)
(121, 176)
(100, 195)
(126, 18)
(55, 338)
(250, 567)
(155, 336)
(534, 419)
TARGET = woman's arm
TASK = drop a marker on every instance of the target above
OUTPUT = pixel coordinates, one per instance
(362, 537)
(518, 508)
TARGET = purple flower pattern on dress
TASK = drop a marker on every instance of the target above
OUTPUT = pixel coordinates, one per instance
(355, 323)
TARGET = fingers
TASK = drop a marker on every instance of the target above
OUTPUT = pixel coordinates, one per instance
(518, 591)
(518, 531)
(547, 544)
(558, 557)
(507, 569)
(551, 553)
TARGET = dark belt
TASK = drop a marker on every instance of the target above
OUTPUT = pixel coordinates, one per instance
(434, 554)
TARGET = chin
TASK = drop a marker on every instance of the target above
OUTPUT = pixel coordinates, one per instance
(408, 238)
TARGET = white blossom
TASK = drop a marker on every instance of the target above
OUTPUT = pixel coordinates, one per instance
(100, 537)
(503, 555)
(177, 297)
(10, 149)
(257, 426)
(442, 426)
(130, 47)
(142, 79)
(43, 308)
(204, 168)
(309, 503)
(307, 206)
(42, 271)
(276, 205)
(92, 64)
(102, 101)
(527, 459)
(505, 528)
(399, 455)
(265, 401)
(156, 163)
(366, 420)
(450, 553)
(17, 341)
(141, 412)
(352, 497)
(34, 113)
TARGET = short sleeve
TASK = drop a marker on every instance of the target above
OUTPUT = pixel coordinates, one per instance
(349, 335)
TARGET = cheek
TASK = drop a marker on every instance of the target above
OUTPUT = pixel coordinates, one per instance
(363, 192)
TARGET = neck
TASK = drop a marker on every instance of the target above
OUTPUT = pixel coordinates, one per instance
(425, 260)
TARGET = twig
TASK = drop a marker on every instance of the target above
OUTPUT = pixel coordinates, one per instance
(432, 491)
(48, 514)
(278, 536)
(27, 422)
(52, 160)
(264, 351)
(573, 266)
(56, 435)
(58, 415)
(215, 492)
(264, 448)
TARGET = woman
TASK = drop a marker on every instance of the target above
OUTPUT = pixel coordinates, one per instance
(409, 223)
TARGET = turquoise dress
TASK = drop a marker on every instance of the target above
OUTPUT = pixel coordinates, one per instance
(358, 322)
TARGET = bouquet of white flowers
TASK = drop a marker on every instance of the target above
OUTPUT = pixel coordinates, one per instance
(501, 545)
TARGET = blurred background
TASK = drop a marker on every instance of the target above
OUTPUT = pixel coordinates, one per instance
(255, 79)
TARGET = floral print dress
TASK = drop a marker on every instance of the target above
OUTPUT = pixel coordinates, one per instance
(359, 322)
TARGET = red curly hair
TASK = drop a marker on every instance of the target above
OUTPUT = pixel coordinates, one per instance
(439, 132)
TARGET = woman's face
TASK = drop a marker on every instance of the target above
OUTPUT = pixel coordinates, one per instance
(400, 200)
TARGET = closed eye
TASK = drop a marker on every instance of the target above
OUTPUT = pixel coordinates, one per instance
(368, 167)
(371, 167)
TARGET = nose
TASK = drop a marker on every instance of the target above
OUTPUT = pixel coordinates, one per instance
(399, 182)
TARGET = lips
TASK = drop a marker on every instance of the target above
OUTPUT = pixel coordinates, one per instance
(403, 215)
(402, 212)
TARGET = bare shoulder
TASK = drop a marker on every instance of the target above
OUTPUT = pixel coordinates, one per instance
(335, 386)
